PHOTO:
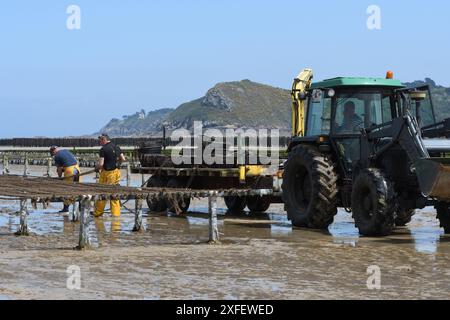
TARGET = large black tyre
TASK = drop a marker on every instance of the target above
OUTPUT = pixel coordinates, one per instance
(182, 203)
(309, 188)
(156, 205)
(443, 214)
(403, 217)
(258, 203)
(235, 204)
(372, 203)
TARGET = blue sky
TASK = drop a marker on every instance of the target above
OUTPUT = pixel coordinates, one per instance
(130, 55)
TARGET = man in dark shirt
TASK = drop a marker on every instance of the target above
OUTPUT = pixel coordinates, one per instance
(111, 157)
(67, 165)
(351, 123)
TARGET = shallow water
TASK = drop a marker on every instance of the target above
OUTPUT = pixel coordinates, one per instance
(261, 257)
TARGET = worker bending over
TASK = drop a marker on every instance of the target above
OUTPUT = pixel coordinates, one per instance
(67, 165)
(111, 157)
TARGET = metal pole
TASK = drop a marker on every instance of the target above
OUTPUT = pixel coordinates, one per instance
(138, 224)
(23, 228)
(213, 229)
(84, 240)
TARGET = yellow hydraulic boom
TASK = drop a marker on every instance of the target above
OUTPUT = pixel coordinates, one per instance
(300, 87)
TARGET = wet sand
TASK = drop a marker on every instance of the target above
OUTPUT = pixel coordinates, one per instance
(261, 257)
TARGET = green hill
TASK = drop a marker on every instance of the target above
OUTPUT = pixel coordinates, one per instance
(242, 104)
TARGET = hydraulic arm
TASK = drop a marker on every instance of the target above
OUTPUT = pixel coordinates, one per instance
(300, 87)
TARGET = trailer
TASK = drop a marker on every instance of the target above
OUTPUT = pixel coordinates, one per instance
(165, 174)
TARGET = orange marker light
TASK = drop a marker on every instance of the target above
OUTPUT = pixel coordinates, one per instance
(390, 75)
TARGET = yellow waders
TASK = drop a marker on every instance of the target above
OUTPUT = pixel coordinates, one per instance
(69, 173)
(112, 178)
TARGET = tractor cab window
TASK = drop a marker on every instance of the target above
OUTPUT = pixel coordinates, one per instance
(355, 111)
(319, 114)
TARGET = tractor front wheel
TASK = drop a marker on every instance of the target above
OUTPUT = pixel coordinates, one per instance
(372, 203)
(309, 188)
(443, 214)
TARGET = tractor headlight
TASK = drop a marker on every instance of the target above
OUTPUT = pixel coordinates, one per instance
(331, 93)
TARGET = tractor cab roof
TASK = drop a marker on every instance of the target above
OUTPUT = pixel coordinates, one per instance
(353, 81)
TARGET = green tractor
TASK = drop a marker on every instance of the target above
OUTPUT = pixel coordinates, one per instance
(369, 145)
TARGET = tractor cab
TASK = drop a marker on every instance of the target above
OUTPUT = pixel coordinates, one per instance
(339, 109)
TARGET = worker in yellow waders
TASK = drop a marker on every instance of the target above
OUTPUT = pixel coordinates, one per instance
(67, 166)
(111, 157)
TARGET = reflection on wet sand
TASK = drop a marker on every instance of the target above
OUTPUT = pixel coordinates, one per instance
(423, 232)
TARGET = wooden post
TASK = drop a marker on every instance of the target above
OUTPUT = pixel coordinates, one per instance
(23, 228)
(5, 164)
(26, 171)
(213, 229)
(85, 207)
(128, 174)
(138, 224)
(49, 167)
(75, 213)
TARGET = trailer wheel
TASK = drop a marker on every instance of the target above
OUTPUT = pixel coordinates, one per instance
(402, 218)
(309, 188)
(182, 203)
(156, 205)
(235, 204)
(443, 214)
(258, 203)
(372, 203)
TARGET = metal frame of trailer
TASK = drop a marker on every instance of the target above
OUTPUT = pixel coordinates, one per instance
(211, 178)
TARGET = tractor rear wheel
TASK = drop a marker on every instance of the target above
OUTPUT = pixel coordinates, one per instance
(309, 188)
(403, 217)
(258, 203)
(156, 205)
(182, 204)
(372, 203)
(443, 214)
(235, 204)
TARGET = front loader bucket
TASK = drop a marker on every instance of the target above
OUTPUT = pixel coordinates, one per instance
(434, 177)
